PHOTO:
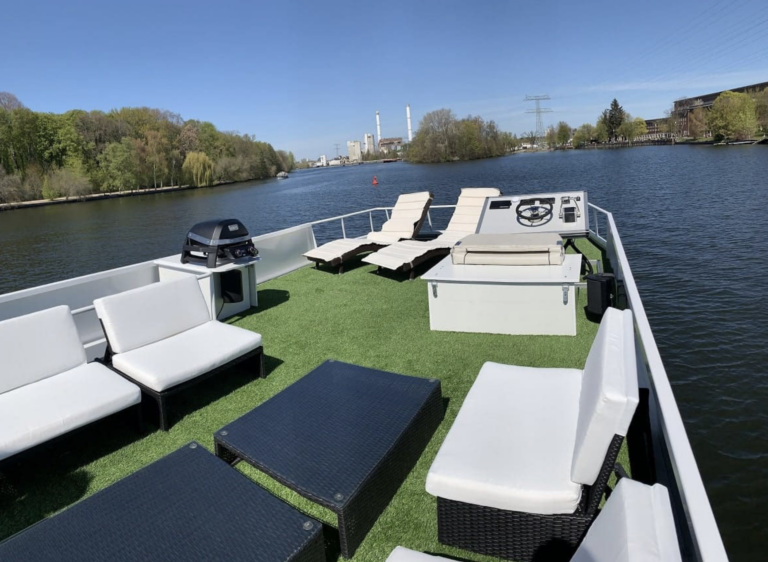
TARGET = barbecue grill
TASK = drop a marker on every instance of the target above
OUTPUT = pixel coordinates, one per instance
(218, 242)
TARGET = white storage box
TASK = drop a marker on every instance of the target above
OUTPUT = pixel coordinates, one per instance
(544, 248)
(504, 299)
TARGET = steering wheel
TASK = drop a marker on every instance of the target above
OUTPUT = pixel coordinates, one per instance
(534, 210)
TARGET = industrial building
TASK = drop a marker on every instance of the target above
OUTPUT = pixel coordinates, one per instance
(390, 144)
(683, 107)
(353, 151)
(368, 145)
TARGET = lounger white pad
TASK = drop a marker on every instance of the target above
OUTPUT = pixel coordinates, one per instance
(509, 249)
(463, 222)
(635, 525)
(404, 221)
(38, 412)
(512, 442)
(172, 361)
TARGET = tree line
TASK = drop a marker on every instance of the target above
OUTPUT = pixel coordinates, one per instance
(614, 124)
(47, 155)
(442, 137)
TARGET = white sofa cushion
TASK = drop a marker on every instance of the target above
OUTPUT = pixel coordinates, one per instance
(38, 412)
(635, 525)
(38, 345)
(401, 554)
(138, 317)
(609, 394)
(512, 442)
(184, 356)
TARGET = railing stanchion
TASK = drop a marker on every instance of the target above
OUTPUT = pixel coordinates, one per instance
(387, 212)
(370, 219)
(343, 230)
(429, 219)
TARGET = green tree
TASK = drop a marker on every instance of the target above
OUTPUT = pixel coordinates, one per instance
(551, 137)
(761, 109)
(697, 122)
(563, 133)
(199, 168)
(120, 166)
(9, 102)
(601, 133)
(583, 135)
(157, 155)
(733, 116)
(613, 118)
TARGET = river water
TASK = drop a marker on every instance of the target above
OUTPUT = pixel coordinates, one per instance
(694, 221)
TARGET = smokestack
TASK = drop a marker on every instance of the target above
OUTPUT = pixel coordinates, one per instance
(408, 117)
(378, 128)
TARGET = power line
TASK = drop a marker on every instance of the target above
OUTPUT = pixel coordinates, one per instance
(538, 111)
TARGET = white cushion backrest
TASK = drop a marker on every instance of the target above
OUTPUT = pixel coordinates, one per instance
(469, 208)
(609, 394)
(37, 346)
(149, 314)
(635, 525)
(407, 213)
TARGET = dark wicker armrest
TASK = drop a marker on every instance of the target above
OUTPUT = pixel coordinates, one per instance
(619, 471)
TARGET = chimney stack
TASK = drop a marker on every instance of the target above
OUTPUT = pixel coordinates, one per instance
(378, 128)
(408, 118)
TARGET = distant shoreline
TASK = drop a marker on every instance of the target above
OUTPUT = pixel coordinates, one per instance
(101, 196)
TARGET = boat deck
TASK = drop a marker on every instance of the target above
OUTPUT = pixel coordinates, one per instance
(306, 317)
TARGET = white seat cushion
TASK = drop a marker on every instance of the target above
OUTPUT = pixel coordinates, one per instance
(635, 525)
(401, 554)
(38, 412)
(138, 317)
(609, 394)
(512, 442)
(184, 356)
(38, 345)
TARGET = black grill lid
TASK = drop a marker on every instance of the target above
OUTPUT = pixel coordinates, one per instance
(219, 232)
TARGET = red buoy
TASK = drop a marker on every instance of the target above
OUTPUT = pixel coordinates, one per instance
(375, 181)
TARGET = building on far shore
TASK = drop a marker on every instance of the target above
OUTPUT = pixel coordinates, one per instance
(391, 144)
(353, 150)
(369, 145)
(684, 106)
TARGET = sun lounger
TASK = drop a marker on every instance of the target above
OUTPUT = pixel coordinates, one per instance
(531, 450)
(635, 525)
(404, 222)
(47, 388)
(406, 255)
(162, 338)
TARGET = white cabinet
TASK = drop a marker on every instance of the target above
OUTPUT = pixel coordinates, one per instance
(211, 282)
(504, 299)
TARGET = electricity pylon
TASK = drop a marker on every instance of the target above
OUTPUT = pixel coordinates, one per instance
(538, 111)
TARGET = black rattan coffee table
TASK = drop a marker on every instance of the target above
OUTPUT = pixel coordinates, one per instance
(188, 506)
(343, 436)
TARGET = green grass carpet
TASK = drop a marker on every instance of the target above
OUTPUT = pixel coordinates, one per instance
(306, 317)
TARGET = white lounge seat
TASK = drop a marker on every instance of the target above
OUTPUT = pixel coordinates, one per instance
(529, 440)
(636, 525)
(47, 388)
(407, 254)
(161, 336)
(404, 222)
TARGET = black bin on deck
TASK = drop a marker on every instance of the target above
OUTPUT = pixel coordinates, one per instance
(601, 293)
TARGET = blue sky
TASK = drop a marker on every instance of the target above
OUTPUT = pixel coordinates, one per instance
(306, 75)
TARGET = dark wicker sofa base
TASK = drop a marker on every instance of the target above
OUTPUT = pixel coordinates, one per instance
(254, 359)
(523, 537)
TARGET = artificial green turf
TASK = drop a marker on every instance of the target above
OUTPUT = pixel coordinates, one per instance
(306, 317)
